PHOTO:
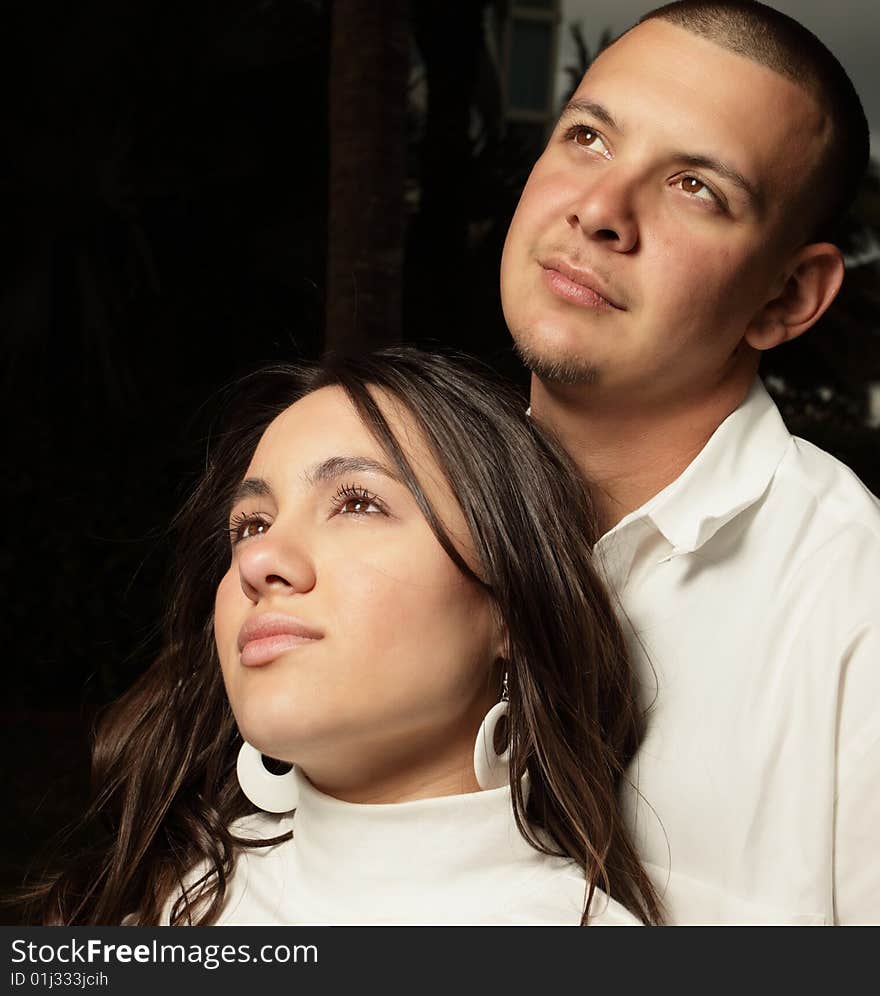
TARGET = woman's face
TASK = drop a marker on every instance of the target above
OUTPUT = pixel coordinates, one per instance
(349, 641)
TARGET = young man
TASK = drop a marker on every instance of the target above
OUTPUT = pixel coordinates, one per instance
(675, 227)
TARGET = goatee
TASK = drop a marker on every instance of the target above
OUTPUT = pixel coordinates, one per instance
(566, 372)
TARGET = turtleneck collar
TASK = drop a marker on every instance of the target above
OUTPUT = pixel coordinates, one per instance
(390, 856)
(456, 859)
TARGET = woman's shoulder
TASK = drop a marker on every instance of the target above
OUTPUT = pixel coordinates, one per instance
(262, 826)
(604, 911)
(607, 912)
(251, 864)
(556, 893)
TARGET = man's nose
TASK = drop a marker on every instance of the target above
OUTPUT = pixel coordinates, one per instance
(273, 564)
(605, 213)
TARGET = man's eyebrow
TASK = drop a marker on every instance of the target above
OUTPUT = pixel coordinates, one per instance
(589, 107)
(722, 169)
(339, 466)
(601, 113)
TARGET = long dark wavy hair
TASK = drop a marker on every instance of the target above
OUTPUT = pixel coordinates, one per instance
(163, 768)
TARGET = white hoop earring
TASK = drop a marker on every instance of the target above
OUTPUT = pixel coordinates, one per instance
(272, 793)
(490, 768)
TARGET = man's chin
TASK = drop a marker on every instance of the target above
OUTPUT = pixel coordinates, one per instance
(552, 367)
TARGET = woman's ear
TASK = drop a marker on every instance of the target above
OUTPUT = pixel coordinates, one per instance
(501, 648)
(810, 284)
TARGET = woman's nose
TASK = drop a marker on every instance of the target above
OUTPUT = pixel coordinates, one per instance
(268, 565)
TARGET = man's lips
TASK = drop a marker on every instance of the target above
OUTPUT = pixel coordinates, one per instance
(578, 285)
(267, 636)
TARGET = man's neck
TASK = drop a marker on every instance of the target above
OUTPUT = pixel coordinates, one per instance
(629, 453)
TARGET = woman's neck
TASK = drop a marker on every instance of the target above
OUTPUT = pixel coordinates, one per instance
(401, 787)
(398, 775)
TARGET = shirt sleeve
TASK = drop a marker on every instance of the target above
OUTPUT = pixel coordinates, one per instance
(856, 865)
(834, 616)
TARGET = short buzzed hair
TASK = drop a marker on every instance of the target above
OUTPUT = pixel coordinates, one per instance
(773, 39)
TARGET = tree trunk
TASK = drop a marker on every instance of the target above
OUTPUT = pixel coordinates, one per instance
(438, 276)
(369, 71)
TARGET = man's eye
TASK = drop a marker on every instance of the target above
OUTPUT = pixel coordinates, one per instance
(588, 138)
(695, 186)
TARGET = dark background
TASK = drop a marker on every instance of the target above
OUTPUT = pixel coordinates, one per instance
(192, 190)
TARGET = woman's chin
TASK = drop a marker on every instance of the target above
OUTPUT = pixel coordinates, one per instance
(285, 734)
(273, 735)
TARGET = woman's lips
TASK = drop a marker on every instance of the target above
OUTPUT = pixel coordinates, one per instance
(257, 652)
(264, 637)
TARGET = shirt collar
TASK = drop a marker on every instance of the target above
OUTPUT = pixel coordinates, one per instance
(728, 475)
(361, 842)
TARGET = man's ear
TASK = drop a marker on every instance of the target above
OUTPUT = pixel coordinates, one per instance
(811, 283)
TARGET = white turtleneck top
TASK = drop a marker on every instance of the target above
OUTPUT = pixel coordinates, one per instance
(456, 859)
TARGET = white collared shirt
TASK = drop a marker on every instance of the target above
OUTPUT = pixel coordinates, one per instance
(751, 589)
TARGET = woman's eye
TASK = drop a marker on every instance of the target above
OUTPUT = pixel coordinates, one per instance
(587, 138)
(246, 527)
(358, 506)
(355, 500)
(694, 186)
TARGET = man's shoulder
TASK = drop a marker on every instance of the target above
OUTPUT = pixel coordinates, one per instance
(821, 527)
(826, 490)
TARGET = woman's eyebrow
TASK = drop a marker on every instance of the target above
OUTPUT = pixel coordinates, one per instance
(327, 470)
(339, 466)
(250, 487)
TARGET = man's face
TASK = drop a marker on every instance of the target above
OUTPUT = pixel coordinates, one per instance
(659, 219)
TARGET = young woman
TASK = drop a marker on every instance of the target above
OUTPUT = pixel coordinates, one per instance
(384, 580)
